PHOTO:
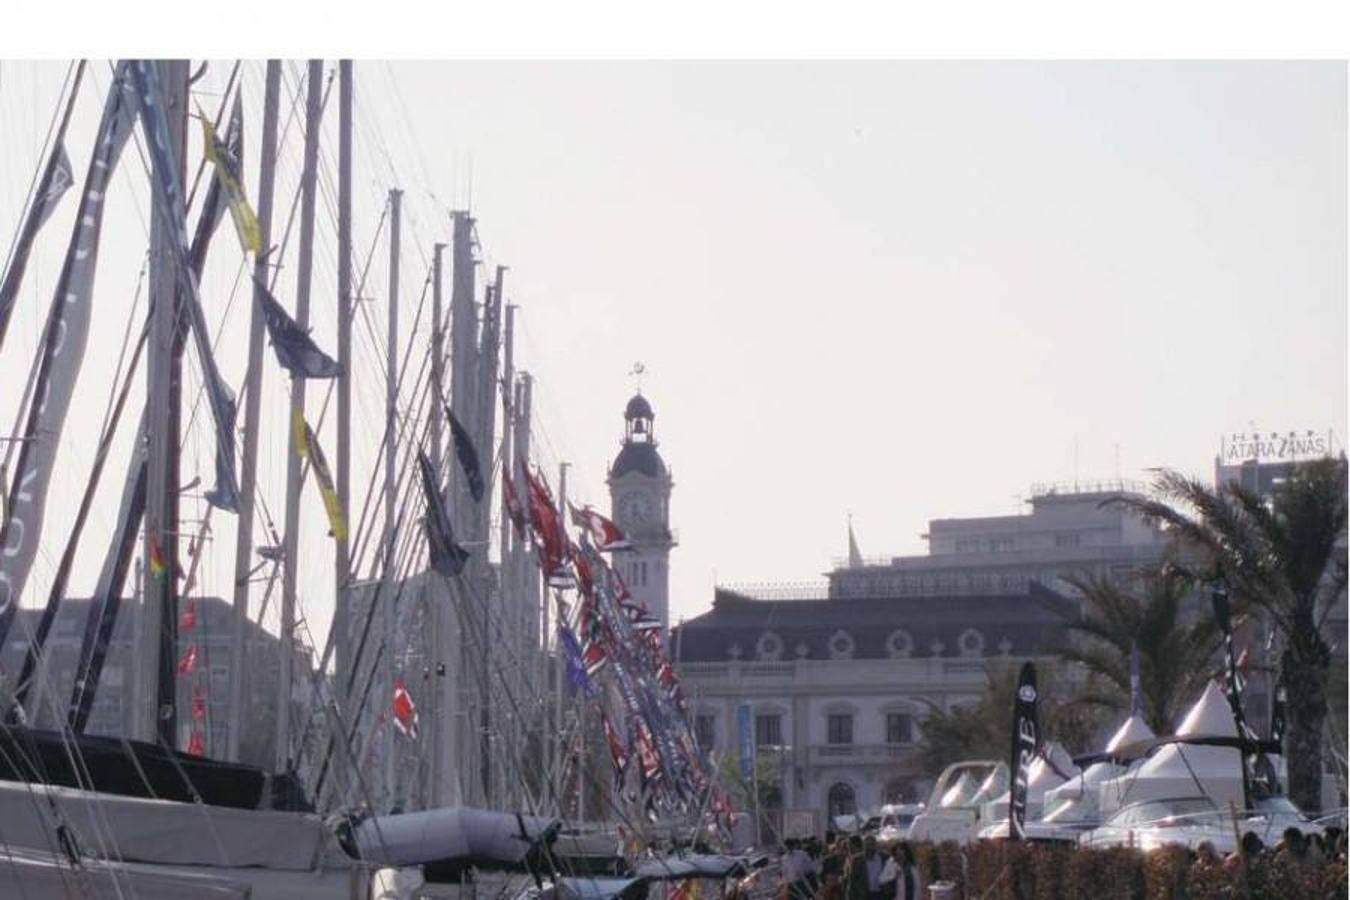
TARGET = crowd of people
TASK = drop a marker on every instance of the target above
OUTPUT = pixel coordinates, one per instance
(849, 868)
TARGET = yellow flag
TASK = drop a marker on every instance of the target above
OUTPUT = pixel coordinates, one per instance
(307, 445)
(229, 173)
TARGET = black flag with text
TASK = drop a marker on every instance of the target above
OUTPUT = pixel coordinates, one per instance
(1026, 742)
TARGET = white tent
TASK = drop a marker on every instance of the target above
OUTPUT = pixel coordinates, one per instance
(1083, 788)
(1185, 770)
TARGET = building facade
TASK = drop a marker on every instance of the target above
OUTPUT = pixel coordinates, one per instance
(211, 633)
(639, 494)
(838, 690)
(1067, 532)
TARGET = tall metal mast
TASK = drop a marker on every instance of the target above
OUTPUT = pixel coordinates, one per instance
(490, 606)
(290, 555)
(509, 599)
(390, 490)
(341, 553)
(243, 550)
(159, 614)
(436, 587)
(559, 755)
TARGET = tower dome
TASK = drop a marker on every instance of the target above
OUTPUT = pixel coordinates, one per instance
(638, 408)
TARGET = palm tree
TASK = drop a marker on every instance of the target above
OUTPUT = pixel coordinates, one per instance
(1174, 657)
(1280, 555)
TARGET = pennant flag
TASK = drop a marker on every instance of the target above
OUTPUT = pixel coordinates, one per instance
(548, 531)
(196, 744)
(188, 620)
(157, 564)
(514, 511)
(604, 534)
(468, 457)
(1026, 743)
(446, 556)
(307, 444)
(577, 674)
(227, 157)
(198, 702)
(296, 351)
(405, 712)
(1136, 689)
(618, 753)
(187, 663)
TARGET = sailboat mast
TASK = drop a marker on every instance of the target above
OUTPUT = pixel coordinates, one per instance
(159, 620)
(243, 551)
(290, 555)
(341, 554)
(559, 754)
(435, 586)
(508, 596)
(390, 492)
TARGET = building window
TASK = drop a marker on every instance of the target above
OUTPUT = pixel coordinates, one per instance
(839, 728)
(644, 573)
(1066, 540)
(899, 728)
(705, 730)
(841, 800)
(769, 730)
(968, 545)
(1000, 545)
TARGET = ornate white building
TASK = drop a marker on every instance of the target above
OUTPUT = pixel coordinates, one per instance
(639, 495)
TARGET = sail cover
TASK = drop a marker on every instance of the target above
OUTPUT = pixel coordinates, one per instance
(67, 333)
(447, 841)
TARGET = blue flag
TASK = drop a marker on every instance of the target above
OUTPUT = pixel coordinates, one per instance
(446, 556)
(296, 351)
(576, 670)
(468, 456)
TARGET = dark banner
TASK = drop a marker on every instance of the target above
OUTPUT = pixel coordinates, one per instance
(1026, 740)
(57, 178)
(67, 333)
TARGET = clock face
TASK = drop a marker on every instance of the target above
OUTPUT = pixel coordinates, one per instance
(636, 509)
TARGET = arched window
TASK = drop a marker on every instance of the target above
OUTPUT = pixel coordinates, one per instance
(900, 789)
(841, 800)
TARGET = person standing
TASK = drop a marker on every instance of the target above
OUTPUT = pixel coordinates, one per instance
(900, 878)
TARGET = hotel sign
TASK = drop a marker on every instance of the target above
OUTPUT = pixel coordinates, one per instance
(1272, 446)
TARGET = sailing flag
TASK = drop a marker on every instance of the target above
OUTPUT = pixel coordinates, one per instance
(576, 669)
(468, 457)
(157, 565)
(296, 351)
(198, 702)
(188, 620)
(57, 178)
(548, 530)
(618, 753)
(1026, 743)
(307, 445)
(604, 534)
(196, 745)
(405, 711)
(446, 556)
(582, 564)
(514, 510)
(227, 157)
(187, 663)
(1136, 689)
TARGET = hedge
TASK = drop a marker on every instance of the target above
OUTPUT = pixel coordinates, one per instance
(1000, 870)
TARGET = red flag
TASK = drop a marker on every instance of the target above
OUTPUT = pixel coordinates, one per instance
(405, 712)
(585, 578)
(188, 663)
(514, 510)
(196, 745)
(617, 751)
(548, 530)
(651, 763)
(604, 534)
(198, 702)
(188, 620)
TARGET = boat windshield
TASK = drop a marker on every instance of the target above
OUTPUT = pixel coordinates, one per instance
(1177, 811)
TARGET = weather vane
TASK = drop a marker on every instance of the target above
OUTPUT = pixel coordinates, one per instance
(636, 372)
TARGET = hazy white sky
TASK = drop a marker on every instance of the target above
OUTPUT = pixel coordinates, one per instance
(905, 291)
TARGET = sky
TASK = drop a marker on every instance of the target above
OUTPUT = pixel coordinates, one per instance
(896, 291)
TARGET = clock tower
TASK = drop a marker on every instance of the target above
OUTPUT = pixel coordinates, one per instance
(639, 496)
